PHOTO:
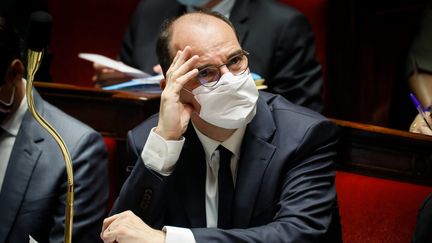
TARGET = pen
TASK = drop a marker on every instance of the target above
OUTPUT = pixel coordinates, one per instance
(420, 109)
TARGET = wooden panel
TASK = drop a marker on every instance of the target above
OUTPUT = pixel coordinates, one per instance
(109, 112)
(384, 152)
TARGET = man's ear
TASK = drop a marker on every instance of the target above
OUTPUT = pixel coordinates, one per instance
(163, 83)
(15, 71)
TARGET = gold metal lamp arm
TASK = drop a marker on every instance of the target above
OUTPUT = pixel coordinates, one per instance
(34, 59)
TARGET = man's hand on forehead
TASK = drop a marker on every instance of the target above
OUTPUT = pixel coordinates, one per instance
(182, 68)
(174, 116)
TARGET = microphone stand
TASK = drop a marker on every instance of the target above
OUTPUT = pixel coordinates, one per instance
(34, 59)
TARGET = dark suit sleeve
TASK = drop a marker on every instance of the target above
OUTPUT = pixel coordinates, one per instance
(295, 73)
(420, 51)
(307, 197)
(149, 204)
(128, 44)
(89, 160)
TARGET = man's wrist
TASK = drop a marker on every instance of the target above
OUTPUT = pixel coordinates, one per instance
(167, 135)
(178, 234)
(160, 236)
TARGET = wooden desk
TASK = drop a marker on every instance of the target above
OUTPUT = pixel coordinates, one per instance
(363, 149)
(112, 113)
(383, 152)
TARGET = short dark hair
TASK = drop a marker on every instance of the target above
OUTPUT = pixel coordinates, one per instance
(164, 38)
(10, 47)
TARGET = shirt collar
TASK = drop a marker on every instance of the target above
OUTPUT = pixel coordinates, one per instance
(233, 143)
(224, 7)
(13, 124)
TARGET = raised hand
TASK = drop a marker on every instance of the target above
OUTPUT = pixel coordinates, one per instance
(174, 115)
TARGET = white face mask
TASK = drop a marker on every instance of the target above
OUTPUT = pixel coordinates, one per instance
(4, 112)
(194, 3)
(231, 103)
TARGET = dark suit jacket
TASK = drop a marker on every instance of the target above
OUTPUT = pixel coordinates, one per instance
(285, 189)
(421, 50)
(33, 195)
(279, 39)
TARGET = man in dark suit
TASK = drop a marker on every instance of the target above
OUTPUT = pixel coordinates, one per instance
(419, 70)
(278, 38)
(222, 162)
(32, 169)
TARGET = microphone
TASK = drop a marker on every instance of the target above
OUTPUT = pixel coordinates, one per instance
(38, 36)
(39, 31)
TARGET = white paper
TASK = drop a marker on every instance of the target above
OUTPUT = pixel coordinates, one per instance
(31, 240)
(113, 64)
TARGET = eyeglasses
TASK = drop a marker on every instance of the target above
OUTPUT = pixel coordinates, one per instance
(237, 65)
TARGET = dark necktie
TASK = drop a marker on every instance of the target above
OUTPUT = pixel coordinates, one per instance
(226, 189)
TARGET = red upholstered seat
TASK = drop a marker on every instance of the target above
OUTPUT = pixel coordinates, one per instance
(111, 146)
(375, 210)
(95, 26)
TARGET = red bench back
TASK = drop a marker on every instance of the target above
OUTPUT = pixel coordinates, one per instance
(375, 210)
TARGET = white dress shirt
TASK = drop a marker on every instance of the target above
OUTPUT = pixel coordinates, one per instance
(161, 156)
(8, 137)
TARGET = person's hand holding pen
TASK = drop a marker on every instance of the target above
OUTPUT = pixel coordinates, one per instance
(423, 121)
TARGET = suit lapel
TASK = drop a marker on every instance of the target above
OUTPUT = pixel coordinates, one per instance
(253, 164)
(24, 157)
(192, 174)
(240, 19)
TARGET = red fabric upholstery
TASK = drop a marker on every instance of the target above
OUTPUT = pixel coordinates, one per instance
(95, 26)
(111, 146)
(377, 210)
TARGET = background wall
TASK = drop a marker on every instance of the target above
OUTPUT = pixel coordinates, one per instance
(95, 26)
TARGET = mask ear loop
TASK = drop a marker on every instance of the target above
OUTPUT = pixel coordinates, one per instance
(11, 98)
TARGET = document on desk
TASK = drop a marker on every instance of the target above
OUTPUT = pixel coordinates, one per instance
(113, 64)
(150, 84)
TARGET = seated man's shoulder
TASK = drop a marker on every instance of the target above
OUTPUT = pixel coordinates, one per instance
(146, 125)
(277, 102)
(287, 114)
(139, 133)
(71, 129)
(277, 11)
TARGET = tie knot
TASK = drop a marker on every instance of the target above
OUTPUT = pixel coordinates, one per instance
(224, 155)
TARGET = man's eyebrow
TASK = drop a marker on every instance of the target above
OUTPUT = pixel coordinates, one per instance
(238, 52)
(233, 54)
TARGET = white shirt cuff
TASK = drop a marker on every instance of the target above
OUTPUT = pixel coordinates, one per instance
(177, 234)
(161, 155)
